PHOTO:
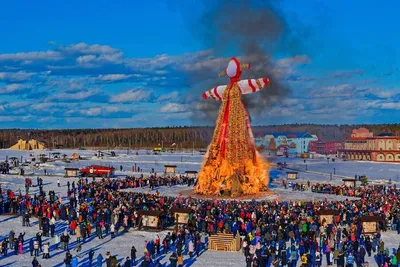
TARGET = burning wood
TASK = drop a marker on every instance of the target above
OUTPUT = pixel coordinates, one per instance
(232, 166)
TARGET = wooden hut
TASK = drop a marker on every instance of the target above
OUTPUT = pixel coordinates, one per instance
(181, 215)
(150, 219)
(291, 175)
(170, 169)
(350, 182)
(327, 216)
(369, 224)
(71, 172)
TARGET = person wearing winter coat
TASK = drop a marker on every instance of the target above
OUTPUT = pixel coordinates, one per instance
(350, 260)
(173, 260)
(21, 247)
(36, 248)
(191, 248)
(180, 260)
(318, 259)
(74, 262)
(16, 246)
(66, 241)
(31, 246)
(91, 254)
(133, 255)
(99, 232)
(127, 262)
(56, 241)
(78, 234)
(46, 250)
(304, 260)
(68, 259)
(158, 244)
(112, 229)
(35, 262)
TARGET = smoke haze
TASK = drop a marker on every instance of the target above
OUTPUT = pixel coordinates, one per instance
(251, 30)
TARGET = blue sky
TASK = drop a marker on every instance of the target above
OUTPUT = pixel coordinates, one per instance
(102, 64)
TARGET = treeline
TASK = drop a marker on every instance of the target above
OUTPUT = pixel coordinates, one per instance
(183, 137)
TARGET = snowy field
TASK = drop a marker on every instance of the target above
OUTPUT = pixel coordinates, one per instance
(313, 169)
(121, 245)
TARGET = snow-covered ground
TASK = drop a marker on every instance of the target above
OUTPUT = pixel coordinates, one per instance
(121, 245)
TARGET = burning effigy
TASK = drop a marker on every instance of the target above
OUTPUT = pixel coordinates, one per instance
(232, 165)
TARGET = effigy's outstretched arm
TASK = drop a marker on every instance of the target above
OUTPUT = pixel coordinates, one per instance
(215, 93)
(253, 85)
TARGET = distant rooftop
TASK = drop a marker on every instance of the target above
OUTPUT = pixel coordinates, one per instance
(291, 134)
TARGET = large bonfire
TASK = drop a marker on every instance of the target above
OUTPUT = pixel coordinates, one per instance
(232, 165)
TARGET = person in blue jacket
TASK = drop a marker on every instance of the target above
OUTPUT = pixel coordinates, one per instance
(74, 261)
(350, 260)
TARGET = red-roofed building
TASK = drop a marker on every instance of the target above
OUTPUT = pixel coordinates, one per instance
(326, 147)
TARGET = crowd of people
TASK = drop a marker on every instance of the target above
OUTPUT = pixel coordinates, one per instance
(275, 233)
(340, 190)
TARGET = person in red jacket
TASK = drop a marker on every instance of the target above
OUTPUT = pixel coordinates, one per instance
(72, 227)
(158, 244)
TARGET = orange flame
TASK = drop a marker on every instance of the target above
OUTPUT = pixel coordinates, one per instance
(218, 175)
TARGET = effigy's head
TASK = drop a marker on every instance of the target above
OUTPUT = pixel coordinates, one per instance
(234, 69)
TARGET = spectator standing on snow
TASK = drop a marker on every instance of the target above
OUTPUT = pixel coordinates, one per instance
(31, 246)
(68, 259)
(46, 250)
(21, 247)
(78, 234)
(112, 228)
(173, 260)
(133, 255)
(36, 247)
(128, 262)
(91, 254)
(74, 261)
(35, 262)
(56, 241)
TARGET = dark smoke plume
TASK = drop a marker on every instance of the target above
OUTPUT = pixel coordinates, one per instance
(253, 31)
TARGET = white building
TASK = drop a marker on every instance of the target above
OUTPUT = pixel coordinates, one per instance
(293, 143)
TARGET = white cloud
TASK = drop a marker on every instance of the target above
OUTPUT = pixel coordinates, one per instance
(183, 115)
(89, 49)
(174, 108)
(117, 77)
(289, 62)
(19, 76)
(77, 96)
(14, 88)
(28, 57)
(91, 111)
(386, 94)
(133, 95)
(167, 97)
(391, 105)
(343, 90)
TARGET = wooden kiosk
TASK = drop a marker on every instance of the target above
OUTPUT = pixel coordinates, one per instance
(291, 175)
(71, 172)
(150, 219)
(350, 182)
(181, 215)
(170, 169)
(369, 224)
(327, 216)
